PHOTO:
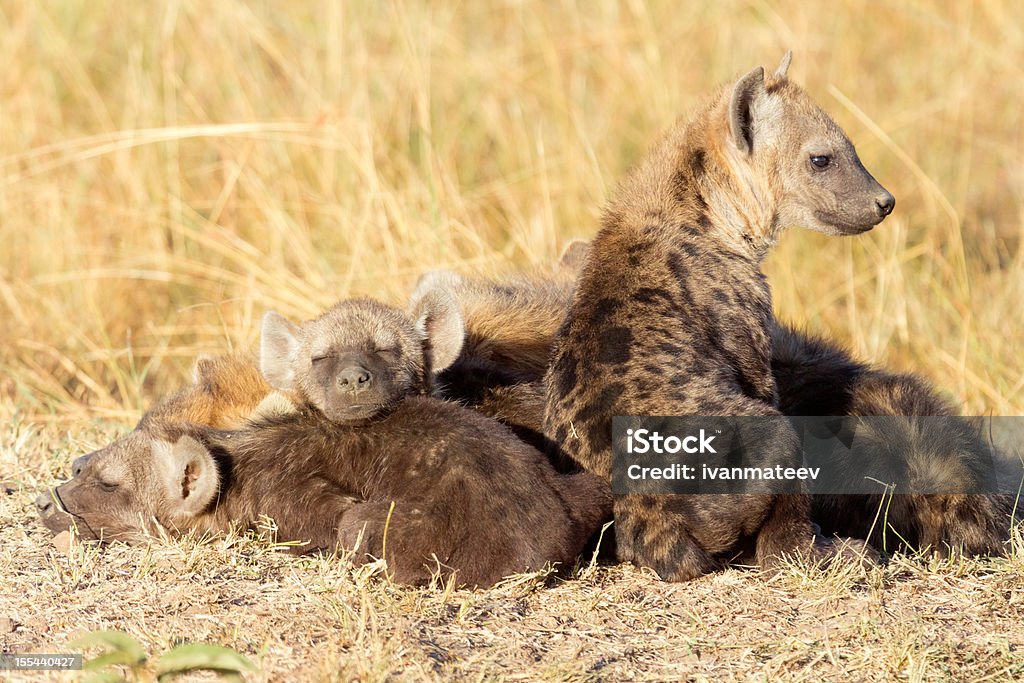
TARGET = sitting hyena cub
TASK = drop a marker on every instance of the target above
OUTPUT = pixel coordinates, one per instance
(672, 315)
(467, 495)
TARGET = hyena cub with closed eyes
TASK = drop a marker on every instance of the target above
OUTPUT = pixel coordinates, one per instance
(441, 486)
(360, 358)
(672, 315)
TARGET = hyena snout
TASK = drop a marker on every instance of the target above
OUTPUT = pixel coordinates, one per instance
(44, 503)
(355, 378)
(885, 203)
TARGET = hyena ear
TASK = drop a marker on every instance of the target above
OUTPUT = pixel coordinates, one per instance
(279, 349)
(741, 109)
(439, 322)
(203, 368)
(574, 255)
(189, 474)
(780, 73)
(431, 280)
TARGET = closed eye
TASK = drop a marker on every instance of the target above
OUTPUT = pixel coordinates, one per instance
(317, 359)
(107, 486)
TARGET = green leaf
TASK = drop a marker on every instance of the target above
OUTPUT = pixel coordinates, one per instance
(199, 656)
(104, 677)
(120, 648)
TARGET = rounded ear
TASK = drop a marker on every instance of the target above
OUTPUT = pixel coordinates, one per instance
(429, 281)
(741, 109)
(438, 320)
(274, 404)
(203, 368)
(780, 73)
(574, 255)
(189, 474)
(279, 350)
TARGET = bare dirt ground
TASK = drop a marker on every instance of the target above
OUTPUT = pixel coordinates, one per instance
(314, 618)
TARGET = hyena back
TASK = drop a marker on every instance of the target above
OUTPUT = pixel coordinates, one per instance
(815, 377)
(509, 328)
(672, 315)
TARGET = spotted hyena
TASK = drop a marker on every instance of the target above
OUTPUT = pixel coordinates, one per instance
(818, 377)
(672, 314)
(361, 376)
(813, 376)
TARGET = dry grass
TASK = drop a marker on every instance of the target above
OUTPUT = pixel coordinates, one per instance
(315, 618)
(169, 170)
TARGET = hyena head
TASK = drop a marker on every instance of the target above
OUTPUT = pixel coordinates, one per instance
(142, 482)
(360, 358)
(781, 138)
(157, 475)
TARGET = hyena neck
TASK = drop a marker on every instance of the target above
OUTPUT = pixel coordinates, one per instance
(696, 185)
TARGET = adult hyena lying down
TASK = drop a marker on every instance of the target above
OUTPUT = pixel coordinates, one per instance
(813, 376)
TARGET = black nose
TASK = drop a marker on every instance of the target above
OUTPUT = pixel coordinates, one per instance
(355, 378)
(886, 203)
(79, 464)
(44, 501)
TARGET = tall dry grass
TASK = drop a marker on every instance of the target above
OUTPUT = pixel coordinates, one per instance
(168, 170)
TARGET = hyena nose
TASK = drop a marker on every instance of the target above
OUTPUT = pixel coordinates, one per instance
(886, 203)
(44, 501)
(355, 378)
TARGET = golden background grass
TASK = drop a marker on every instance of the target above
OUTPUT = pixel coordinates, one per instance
(169, 170)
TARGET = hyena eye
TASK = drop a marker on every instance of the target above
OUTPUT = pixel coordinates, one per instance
(317, 359)
(821, 161)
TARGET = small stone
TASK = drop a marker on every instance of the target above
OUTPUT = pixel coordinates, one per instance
(62, 542)
(8, 488)
(7, 625)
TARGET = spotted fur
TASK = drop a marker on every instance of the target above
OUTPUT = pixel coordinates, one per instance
(672, 314)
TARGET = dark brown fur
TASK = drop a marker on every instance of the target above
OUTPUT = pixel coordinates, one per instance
(672, 315)
(813, 377)
(468, 498)
(818, 378)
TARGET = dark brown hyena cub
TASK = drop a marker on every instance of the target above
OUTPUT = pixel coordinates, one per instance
(435, 487)
(672, 315)
(458, 480)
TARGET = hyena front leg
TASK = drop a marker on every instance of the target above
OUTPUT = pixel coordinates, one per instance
(649, 535)
(394, 531)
